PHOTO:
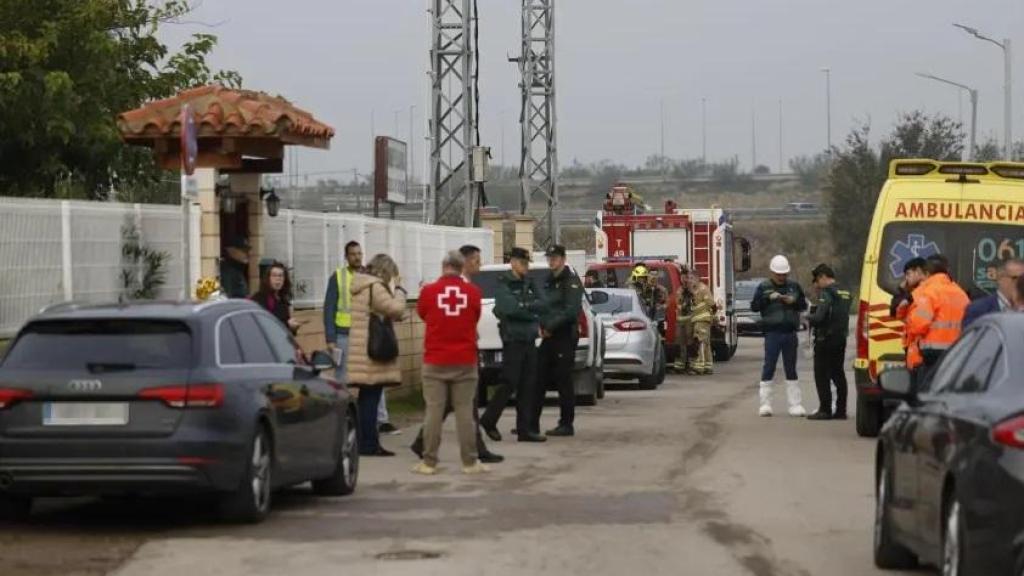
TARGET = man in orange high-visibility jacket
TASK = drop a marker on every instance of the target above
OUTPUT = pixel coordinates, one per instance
(935, 317)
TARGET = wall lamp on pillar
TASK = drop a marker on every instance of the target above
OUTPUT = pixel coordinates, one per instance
(228, 204)
(273, 201)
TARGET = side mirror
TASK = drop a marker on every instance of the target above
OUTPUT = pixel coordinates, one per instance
(322, 360)
(897, 382)
(745, 254)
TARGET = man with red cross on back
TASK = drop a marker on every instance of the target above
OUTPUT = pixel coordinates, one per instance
(450, 308)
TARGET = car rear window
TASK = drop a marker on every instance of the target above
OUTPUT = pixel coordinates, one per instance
(102, 345)
(616, 304)
(618, 277)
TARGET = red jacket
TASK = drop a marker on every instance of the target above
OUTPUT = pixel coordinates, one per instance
(451, 308)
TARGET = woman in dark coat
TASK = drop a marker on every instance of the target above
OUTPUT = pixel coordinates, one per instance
(275, 295)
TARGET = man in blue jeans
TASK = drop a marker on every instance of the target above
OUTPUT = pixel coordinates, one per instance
(780, 302)
(338, 306)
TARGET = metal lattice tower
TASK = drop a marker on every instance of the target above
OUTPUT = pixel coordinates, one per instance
(452, 120)
(538, 167)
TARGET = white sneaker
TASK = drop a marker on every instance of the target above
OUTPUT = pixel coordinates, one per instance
(475, 469)
(795, 396)
(424, 469)
(765, 395)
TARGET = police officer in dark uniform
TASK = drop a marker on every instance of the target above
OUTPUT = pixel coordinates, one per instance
(830, 319)
(563, 299)
(517, 307)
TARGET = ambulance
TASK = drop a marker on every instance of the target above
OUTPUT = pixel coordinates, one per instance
(971, 213)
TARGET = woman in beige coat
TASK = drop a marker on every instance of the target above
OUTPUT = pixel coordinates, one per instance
(369, 376)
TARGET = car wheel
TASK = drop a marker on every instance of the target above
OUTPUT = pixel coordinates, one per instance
(600, 385)
(869, 417)
(953, 560)
(650, 382)
(662, 364)
(721, 352)
(15, 508)
(888, 554)
(250, 503)
(346, 472)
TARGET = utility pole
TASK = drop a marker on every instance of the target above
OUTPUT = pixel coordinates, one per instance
(538, 168)
(410, 163)
(452, 122)
(828, 108)
(753, 140)
(781, 163)
(503, 139)
(661, 118)
(1007, 86)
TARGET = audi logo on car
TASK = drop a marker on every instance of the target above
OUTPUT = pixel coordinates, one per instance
(85, 385)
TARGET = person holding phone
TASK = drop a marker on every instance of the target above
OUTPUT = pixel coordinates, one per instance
(780, 302)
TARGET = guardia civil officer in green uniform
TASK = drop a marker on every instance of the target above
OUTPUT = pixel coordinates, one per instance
(563, 299)
(830, 319)
(518, 306)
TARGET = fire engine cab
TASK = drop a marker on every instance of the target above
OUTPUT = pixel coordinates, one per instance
(699, 239)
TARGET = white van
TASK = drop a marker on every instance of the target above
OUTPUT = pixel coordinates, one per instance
(587, 375)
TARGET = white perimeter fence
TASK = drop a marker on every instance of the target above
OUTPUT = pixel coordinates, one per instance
(55, 251)
(313, 245)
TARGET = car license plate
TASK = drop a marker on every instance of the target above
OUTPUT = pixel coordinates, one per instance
(85, 414)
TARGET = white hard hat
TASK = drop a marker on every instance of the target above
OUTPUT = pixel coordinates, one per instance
(779, 265)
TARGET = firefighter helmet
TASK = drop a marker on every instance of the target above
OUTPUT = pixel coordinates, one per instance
(639, 273)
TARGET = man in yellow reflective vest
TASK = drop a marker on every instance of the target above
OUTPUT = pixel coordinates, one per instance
(338, 306)
(701, 316)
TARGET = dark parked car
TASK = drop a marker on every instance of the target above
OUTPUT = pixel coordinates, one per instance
(169, 398)
(950, 463)
(748, 322)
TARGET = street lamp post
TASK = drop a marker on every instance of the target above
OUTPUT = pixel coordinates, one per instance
(704, 131)
(972, 150)
(828, 107)
(1007, 86)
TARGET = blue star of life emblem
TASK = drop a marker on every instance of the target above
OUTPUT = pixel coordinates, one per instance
(916, 246)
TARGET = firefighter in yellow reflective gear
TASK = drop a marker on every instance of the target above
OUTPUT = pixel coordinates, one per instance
(702, 315)
(653, 295)
(684, 326)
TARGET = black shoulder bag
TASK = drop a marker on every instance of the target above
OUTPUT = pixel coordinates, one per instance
(382, 344)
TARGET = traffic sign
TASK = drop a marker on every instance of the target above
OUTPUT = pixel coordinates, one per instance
(189, 142)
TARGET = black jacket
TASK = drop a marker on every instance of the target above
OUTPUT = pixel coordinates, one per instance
(830, 315)
(234, 278)
(517, 307)
(563, 300)
(777, 316)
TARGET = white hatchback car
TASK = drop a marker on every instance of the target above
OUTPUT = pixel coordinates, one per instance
(588, 376)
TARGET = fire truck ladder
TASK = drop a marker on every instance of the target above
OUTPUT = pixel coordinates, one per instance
(702, 249)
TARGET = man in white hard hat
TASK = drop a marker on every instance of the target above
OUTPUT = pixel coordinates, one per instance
(780, 302)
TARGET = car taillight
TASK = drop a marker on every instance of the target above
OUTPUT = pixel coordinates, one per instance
(630, 325)
(1010, 433)
(11, 396)
(194, 396)
(584, 325)
(862, 330)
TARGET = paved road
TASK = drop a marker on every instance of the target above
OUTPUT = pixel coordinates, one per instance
(682, 480)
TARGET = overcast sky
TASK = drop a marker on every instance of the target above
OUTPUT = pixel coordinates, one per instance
(354, 63)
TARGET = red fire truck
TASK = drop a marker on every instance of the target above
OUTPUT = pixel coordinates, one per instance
(701, 239)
